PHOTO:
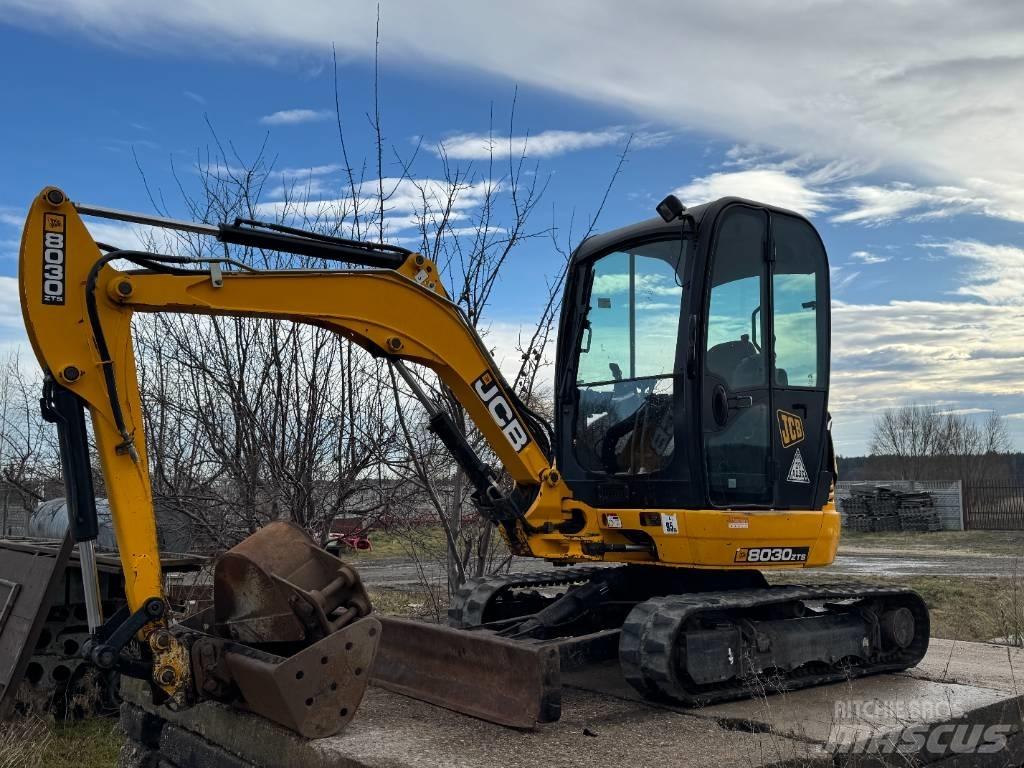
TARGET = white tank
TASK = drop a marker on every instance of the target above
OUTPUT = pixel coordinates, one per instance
(50, 521)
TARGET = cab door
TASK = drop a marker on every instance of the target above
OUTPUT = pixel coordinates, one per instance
(736, 394)
(800, 345)
(764, 389)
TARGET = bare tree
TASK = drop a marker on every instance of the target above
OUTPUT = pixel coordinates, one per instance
(925, 443)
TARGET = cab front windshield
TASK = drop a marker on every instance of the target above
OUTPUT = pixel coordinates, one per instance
(625, 377)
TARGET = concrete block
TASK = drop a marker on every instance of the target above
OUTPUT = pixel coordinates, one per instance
(135, 755)
(140, 725)
(186, 748)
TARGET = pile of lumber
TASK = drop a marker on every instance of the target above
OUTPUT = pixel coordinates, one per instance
(878, 508)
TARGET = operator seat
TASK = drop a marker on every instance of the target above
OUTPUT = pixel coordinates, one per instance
(723, 359)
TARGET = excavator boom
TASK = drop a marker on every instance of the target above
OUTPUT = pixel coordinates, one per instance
(78, 307)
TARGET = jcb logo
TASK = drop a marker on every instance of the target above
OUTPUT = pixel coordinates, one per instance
(53, 258)
(488, 390)
(791, 428)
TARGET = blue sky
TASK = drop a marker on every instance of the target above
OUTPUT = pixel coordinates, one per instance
(901, 140)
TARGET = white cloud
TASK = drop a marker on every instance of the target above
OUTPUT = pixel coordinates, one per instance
(966, 352)
(295, 116)
(997, 276)
(480, 146)
(12, 218)
(308, 182)
(11, 323)
(194, 97)
(409, 204)
(840, 285)
(932, 94)
(874, 204)
(867, 257)
(121, 235)
(769, 185)
(808, 185)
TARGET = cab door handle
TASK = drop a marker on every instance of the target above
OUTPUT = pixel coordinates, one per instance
(740, 401)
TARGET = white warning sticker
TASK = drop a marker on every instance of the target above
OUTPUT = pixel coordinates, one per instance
(613, 521)
(797, 470)
(669, 524)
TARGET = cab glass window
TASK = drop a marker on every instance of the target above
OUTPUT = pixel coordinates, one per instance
(625, 375)
(799, 319)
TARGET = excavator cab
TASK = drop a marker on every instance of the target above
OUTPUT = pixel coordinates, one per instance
(693, 363)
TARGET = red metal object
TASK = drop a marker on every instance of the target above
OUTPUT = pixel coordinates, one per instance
(351, 532)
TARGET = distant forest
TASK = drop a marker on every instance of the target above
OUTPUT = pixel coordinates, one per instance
(1006, 467)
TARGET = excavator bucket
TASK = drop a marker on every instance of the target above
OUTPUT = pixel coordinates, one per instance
(289, 635)
(291, 638)
(277, 586)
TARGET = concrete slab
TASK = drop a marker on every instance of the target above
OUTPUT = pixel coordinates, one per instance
(957, 684)
(390, 731)
(605, 723)
(986, 665)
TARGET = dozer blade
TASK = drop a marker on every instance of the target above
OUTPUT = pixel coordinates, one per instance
(289, 635)
(473, 673)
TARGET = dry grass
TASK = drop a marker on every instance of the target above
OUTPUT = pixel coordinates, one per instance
(964, 542)
(29, 742)
(22, 742)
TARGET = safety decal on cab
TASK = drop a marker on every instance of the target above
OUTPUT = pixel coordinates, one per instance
(669, 524)
(487, 389)
(791, 428)
(798, 470)
(772, 554)
(53, 258)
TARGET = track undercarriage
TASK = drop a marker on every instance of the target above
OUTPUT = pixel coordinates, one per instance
(699, 637)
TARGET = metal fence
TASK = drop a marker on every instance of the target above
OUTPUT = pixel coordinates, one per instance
(994, 506)
(949, 499)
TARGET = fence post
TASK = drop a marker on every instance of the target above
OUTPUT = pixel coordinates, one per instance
(960, 490)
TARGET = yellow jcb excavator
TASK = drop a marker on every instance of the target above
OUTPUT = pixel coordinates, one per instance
(690, 453)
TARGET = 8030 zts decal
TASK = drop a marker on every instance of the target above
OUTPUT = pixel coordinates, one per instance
(53, 258)
(772, 554)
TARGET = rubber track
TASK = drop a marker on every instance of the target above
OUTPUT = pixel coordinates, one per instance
(471, 599)
(653, 627)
